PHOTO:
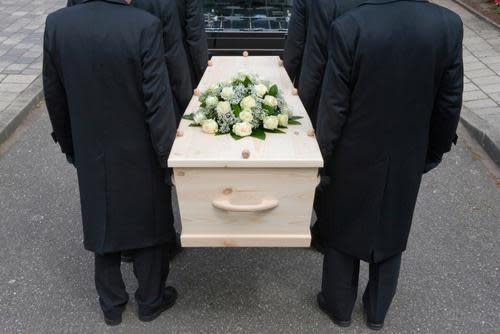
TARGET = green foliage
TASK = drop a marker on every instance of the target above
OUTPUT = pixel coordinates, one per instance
(236, 109)
(188, 117)
(248, 82)
(258, 133)
(274, 131)
(273, 91)
(270, 111)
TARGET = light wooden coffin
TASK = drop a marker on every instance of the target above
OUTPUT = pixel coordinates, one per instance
(246, 193)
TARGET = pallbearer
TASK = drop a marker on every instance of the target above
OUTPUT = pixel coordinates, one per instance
(389, 110)
(194, 37)
(108, 96)
(296, 39)
(176, 59)
(305, 58)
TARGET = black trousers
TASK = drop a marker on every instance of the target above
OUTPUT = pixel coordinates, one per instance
(151, 269)
(340, 285)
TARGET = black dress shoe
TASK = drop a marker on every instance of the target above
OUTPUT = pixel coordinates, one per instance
(169, 299)
(375, 326)
(113, 321)
(336, 321)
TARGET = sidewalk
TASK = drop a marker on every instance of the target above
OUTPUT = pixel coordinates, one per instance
(21, 34)
(481, 114)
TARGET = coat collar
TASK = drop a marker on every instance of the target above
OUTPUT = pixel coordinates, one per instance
(118, 2)
(381, 2)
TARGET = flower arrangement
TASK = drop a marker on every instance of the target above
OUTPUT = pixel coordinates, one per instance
(241, 107)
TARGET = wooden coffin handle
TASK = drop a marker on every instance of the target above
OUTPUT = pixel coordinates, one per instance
(225, 204)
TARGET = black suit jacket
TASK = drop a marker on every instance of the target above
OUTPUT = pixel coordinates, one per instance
(176, 59)
(296, 39)
(109, 101)
(194, 36)
(320, 16)
(392, 94)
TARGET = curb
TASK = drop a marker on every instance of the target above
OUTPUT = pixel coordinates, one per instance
(15, 113)
(487, 136)
(477, 13)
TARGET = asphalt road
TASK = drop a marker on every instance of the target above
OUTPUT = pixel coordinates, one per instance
(450, 280)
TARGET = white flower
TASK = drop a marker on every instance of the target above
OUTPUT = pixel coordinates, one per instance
(260, 90)
(283, 120)
(223, 107)
(242, 129)
(246, 116)
(198, 118)
(209, 126)
(247, 103)
(214, 87)
(241, 76)
(211, 101)
(271, 122)
(270, 101)
(227, 93)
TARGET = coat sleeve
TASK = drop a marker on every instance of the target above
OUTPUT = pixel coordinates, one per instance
(175, 57)
(196, 37)
(159, 114)
(448, 104)
(55, 98)
(334, 105)
(295, 42)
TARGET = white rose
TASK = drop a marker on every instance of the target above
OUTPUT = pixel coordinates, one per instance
(283, 120)
(246, 116)
(209, 126)
(243, 129)
(247, 103)
(260, 90)
(227, 93)
(271, 122)
(198, 118)
(270, 101)
(241, 76)
(223, 107)
(211, 101)
(214, 87)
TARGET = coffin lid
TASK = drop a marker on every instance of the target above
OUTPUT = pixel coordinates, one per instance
(295, 149)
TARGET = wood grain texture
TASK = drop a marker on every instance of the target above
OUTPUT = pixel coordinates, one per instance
(286, 225)
(295, 149)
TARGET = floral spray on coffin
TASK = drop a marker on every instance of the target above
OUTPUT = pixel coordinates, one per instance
(243, 106)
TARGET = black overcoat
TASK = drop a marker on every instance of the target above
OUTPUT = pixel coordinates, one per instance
(194, 37)
(296, 39)
(392, 94)
(321, 14)
(175, 53)
(109, 101)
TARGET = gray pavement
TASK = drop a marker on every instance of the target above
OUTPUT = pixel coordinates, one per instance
(21, 42)
(482, 78)
(450, 280)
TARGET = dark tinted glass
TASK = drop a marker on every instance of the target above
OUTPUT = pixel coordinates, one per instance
(247, 15)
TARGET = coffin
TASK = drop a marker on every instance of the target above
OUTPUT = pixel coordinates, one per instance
(246, 193)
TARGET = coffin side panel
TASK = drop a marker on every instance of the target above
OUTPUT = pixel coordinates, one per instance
(286, 225)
